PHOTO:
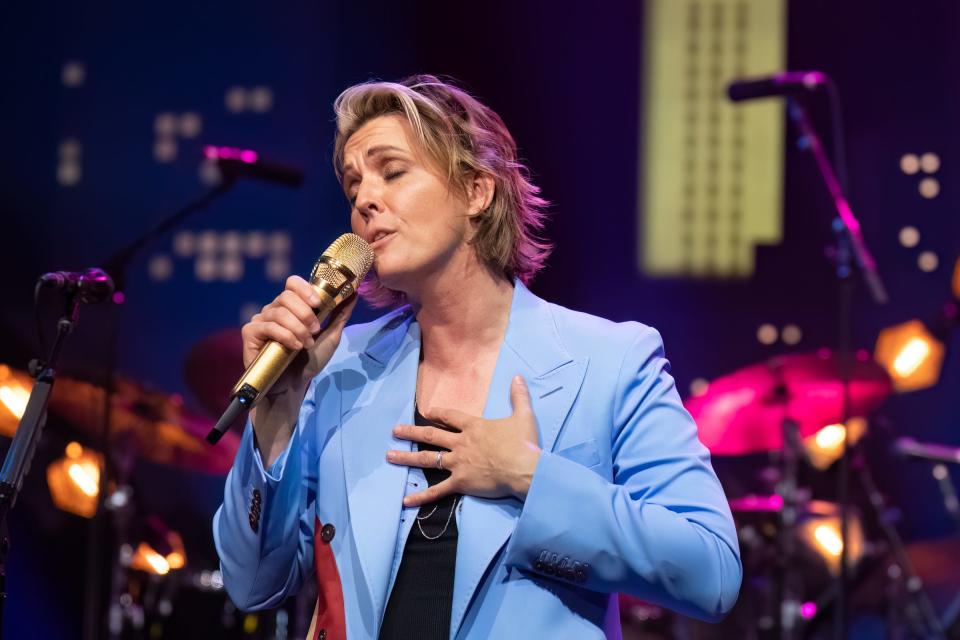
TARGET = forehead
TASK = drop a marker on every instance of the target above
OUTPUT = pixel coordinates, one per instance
(382, 131)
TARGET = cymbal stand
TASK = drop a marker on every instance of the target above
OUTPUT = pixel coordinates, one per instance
(790, 586)
(923, 613)
(117, 266)
(850, 249)
(19, 456)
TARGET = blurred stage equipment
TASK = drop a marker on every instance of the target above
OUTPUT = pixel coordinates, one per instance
(74, 480)
(743, 412)
(335, 277)
(90, 286)
(19, 456)
(787, 83)
(908, 447)
(156, 428)
(212, 367)
(849, 251)
(245, 163)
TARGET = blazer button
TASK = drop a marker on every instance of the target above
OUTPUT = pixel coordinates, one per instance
(327, 533)
(322, 635)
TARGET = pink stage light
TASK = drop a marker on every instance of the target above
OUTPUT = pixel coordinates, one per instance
(230, 153)
(808, 610)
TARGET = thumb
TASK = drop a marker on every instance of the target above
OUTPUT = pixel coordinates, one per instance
(520, 397)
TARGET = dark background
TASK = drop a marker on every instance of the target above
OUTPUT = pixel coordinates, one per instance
(567, 81)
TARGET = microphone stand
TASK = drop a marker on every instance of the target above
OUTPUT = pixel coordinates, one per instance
(850, 249)
(16, 463)
(117, 266)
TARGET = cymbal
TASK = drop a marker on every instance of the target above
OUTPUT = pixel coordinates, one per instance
(773, 503)
(743, 412)
(212, 368)
(154, 424)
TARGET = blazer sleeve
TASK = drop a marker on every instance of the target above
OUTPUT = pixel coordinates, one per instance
(263, 531)
(662, 529)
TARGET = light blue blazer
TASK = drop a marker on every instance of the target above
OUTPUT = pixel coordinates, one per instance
(624, 498)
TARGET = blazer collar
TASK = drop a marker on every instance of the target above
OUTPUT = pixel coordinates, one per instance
(532, 348)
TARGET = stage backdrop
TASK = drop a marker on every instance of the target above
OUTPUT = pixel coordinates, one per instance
(106, 109)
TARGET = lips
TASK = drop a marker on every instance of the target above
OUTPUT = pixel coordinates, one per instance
(381, 237)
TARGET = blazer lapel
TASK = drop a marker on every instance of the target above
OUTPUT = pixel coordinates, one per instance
(374, 488)
(532, 349)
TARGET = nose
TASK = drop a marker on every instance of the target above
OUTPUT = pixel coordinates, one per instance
(369, 200)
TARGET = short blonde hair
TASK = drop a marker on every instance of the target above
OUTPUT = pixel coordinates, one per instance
(463, 137)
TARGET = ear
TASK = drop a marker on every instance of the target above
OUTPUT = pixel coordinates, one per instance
(480, 191)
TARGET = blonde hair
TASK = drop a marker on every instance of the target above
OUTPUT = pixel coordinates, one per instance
(463, 137)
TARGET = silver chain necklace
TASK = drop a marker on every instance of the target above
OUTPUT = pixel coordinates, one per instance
(445, 526)
(436, 506)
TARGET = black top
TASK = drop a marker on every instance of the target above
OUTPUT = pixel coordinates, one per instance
(422, 597)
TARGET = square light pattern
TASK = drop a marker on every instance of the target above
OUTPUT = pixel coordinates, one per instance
(711, 170)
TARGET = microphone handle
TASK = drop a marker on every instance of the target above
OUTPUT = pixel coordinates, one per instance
(274, 358)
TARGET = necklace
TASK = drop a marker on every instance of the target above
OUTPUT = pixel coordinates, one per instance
(445, 526)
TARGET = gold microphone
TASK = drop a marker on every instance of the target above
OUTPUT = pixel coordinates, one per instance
(335, 277)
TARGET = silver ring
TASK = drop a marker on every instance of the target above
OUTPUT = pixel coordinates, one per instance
(440, 460)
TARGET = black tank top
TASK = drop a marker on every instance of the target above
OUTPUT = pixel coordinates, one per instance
(421, 601)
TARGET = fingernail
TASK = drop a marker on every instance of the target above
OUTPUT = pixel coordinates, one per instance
(407, 502)
(315, 326)
(314, 299)
(517, 380)
(391, 455)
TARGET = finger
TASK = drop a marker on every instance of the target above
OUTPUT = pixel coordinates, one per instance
(300, 309)
(451, 417)
(433, 494)
(426, 435)
(285, 318)
(422, 459)
(273, 331)
(520, 397)
(303, 290)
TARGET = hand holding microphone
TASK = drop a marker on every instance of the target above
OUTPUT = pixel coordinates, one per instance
(287, 332)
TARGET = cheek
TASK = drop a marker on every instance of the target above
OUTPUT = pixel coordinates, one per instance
(356, 223)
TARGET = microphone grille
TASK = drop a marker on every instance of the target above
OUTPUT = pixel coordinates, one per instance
(351, 251)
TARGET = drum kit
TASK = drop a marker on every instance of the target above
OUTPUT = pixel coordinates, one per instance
(150, 564)
(778, 410)
(788, 413)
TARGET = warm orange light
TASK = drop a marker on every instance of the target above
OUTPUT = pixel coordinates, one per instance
(828, 539)
(911, 355)
(86, 476)
(145, 558)
(822, 534)
(826, 446)
(831, 436)
(74, 480)
(14, 393)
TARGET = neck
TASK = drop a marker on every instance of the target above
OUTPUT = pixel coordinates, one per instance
(462, 313)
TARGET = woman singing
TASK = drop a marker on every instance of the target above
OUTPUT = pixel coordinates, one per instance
(478, 462)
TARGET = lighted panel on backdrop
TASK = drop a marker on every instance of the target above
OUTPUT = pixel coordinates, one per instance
(712, 171)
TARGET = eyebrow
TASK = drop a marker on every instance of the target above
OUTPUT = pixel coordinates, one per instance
(383, 148)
